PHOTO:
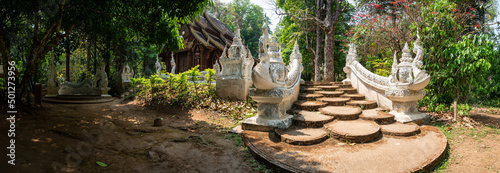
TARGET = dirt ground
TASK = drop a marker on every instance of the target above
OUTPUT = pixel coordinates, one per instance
(475, 149)
(72, 138)
(120, 134)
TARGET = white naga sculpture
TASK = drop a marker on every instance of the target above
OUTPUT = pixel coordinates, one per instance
(97, 86)
(172, 63)
(127, 73)
(52, 83)
(400, 91)
(276, 88)
(233, 78)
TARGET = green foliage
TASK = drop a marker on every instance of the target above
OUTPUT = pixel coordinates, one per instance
(465, 65)
(209, 76)
(379, 65)
(248, 16)
(177, 91)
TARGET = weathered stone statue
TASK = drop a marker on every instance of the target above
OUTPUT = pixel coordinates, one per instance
(158, 67)
(127, 73)
(101, 82)
(52, 83)
(233, 78)
(172, 64)
(276, 88)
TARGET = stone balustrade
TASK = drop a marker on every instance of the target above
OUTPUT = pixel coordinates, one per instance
(400, 92)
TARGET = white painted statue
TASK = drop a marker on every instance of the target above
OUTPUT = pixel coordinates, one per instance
(52, 83)
(172, 63)
(276, 86)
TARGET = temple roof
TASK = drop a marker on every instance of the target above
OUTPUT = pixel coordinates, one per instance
(207, 30)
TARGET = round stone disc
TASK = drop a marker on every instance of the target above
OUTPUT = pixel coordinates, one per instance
(311, 119)
(348, 90)
(331, 93)
(364, 104)
(309, 105)
(354, 96)
(302, 136)
(327, 88)
(334, 101)
(354, 131)
(380, 117)
(309, 97)
(400, 129)
(342, 112)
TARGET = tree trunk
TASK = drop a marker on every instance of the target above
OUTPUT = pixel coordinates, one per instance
(68, 52)
(329, 61)
(317, 53)
(88, 53)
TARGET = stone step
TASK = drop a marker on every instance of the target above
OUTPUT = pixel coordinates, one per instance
(309, 97)
(309, 105)
(310, 119)
(345, 85)
(327, 88)
(342, 112)
(348, 90)
(354, 96)
(334, 101)
(336, 83)
(357, 131)
(309, 90)
(363, 104)
(322, 84)
(380, 117)
(400, 129)
(302, 136)
(331, 93)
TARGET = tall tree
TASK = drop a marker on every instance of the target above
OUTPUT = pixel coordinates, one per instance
(48, 22)
(333, 12)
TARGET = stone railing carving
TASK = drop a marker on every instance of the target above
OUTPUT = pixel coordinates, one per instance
(276, 86)
(400, 91)
(233, 78)
(98, 86)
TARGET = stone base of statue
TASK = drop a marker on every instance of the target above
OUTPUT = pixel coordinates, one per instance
(104, 92)
(234, 89)
(271, 113)
(405, 105)
(51, 91)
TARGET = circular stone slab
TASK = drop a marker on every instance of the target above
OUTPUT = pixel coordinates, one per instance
(345, 85)
(354, 131)
(364, 104)
(302, 136)
(309, 105)
(406, 154)
(309, 97)
(331, 93)
(400, 129)
(311, 119)
(310, 90)
(354, 96)
(342, 112)
(334, 101)
(380, 117)
(327, 88)
(348, 90)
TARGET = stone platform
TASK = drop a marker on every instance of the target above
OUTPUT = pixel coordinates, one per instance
(79, 99)
(387, 154)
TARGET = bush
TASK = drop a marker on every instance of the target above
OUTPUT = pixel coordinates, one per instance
(177, 91)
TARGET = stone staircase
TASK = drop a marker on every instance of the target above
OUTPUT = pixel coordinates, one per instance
(335, 110)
